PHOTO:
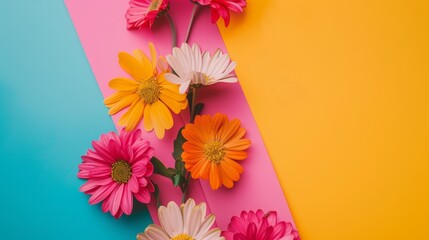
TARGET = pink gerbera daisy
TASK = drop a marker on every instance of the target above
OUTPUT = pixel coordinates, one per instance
(142, 13)
(118, 169)
(259, 226)
(221, 8)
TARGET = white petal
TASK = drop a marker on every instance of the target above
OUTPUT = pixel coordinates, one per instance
(206, 62)
(213, 234)
(184, 87)
(171, 219)
(173, 78)
(154, 232)
(205, 226)
(187, 209)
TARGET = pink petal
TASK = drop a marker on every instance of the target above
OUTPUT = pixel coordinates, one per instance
(143, 196)
(139, 168)
(133, 184)
(127, 201)
(251, 231)
(237, 225)
(117, 199)
(102, 151)
(94, 183)
(101, 193)
(272, 218)
(100, 172)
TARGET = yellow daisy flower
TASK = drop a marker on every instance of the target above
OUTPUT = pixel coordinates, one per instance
(147, 94)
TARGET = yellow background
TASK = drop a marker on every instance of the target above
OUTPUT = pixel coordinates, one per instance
(340, 91)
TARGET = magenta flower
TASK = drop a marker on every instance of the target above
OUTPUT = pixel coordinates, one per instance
(221, 8)
(259, 226)
(142, 13)
(118, 169)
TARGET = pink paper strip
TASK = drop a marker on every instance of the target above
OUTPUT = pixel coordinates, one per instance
(101, 27)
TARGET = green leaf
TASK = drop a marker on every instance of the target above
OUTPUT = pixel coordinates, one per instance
(179, 166)
(156, 193)
(176, 180)
(160, 169)
(178, 143)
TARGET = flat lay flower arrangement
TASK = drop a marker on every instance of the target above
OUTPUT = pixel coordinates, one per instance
(119, 167)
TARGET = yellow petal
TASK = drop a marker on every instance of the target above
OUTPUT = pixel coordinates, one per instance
(144, 61)
(116, 97)
(153, 54)
(133, 116)
(162, 114)
(123, 103)
(161, 118)
(133, 67)
(123, 84)
(175, 106)
(159, 130)
(147, 123)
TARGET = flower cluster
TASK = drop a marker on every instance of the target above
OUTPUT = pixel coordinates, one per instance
(142, 13)
(119, 168)
(260, 226)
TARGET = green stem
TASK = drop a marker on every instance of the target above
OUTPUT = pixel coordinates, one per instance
(185, 190)
(173, 30)
(193, 103)
(191, 22)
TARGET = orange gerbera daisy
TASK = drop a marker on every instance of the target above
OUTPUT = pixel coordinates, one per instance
(147, 95)
(213, 146)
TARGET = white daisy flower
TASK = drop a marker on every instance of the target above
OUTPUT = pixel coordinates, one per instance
(195, 68)
(187, 222)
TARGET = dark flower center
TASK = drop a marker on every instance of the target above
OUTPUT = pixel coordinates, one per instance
(121, 171)
(150, 90)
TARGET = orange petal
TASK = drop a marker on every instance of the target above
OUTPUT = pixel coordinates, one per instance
(236, 155)
(227, 181)
(230, 171)
(191, 147)
(229, 130)
(193, 134)
(234, 165)
(215, 177)
(238, 145)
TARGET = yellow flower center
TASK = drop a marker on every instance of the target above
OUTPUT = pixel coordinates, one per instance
(121, 171)
(154, 5)
(150, 90)
(182, 236)
(214, 151)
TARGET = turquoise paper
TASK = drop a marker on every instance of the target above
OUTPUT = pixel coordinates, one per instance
(50, 111)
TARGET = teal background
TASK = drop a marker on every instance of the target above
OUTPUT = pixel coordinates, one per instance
(50, 111)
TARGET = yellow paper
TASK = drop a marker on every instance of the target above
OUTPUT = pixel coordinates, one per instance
(340, 91)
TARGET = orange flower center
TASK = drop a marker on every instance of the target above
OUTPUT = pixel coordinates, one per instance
(150, 90)
(121, 171)
(214, 151)
(182, 236)
(154, 5)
